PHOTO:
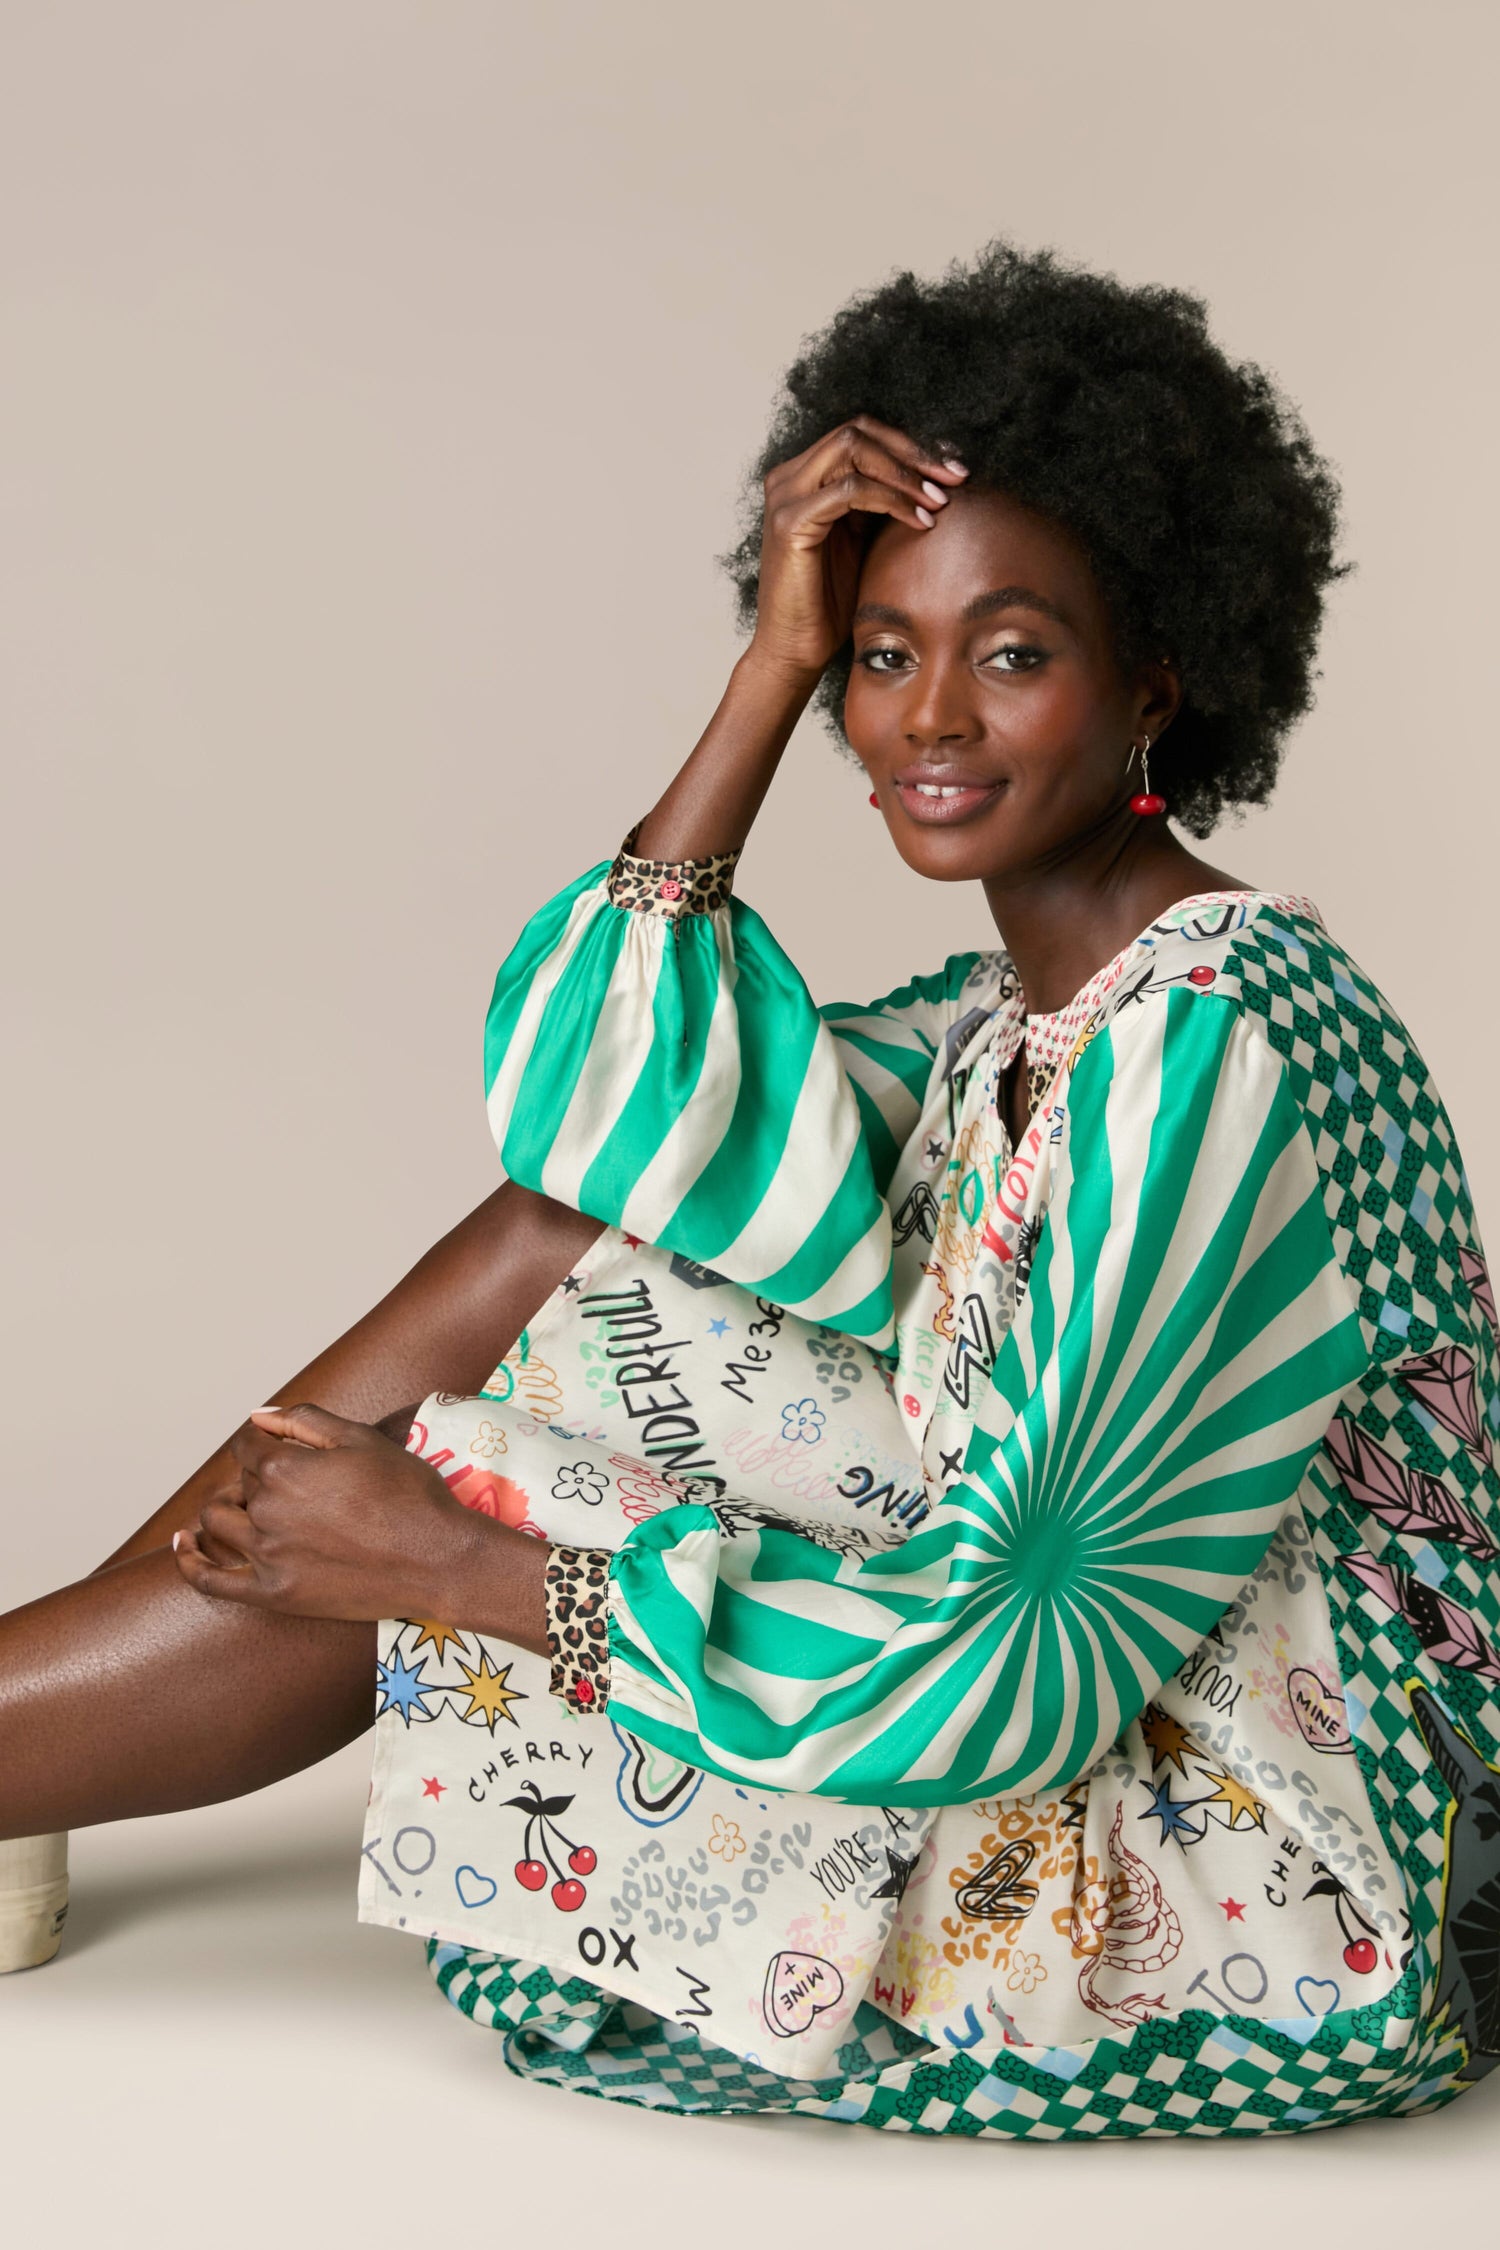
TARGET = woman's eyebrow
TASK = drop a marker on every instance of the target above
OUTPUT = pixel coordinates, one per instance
(983, 605)
(1011, 597)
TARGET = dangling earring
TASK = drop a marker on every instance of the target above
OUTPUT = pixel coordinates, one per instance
(1146, 800)
(874, 799)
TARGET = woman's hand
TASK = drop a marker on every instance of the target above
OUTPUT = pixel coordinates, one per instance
(818, 521)
(337, 1521)
(820, 510)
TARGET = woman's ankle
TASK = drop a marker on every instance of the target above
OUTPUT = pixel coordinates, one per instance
(33, 1900)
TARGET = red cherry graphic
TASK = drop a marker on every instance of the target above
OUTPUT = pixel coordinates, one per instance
(568, 1897)
(1359, 1955)
(531, 1873)
(1201, 975)
(583, 1859)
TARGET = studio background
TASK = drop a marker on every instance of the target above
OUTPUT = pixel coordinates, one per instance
(376, 387)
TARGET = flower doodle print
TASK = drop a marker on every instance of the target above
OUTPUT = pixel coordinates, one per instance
(580, 1480)
(727, 1838)
(488, 1441)
(802, 1422)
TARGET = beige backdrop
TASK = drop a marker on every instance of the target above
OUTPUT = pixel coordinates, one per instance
(375, 385)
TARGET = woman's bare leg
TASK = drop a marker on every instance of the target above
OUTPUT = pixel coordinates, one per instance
(128, 1693)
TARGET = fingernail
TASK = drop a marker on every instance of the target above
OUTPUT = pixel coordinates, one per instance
(924, 518)
(935, 492)
(956, 466)
(175, 1537)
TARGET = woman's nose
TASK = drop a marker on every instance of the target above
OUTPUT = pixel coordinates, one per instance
(940, 713)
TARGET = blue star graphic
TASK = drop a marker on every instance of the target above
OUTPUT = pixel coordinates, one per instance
(1169, 1811)
(718, 1328)
(398, 1683)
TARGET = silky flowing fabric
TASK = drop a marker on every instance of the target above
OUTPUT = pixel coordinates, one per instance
(1156, 1713)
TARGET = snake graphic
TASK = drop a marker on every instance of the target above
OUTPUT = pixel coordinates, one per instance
(1127, 1924)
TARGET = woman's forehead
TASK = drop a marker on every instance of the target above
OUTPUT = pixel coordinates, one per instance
(982, 545)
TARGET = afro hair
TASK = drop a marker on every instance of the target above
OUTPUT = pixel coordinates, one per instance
(1189, 481)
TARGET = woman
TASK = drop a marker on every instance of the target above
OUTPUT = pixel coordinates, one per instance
(1012, 1476)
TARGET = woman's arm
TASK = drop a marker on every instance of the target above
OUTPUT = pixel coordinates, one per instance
(1185, 1337)
(818, 512)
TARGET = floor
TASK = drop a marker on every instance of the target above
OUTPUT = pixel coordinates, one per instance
(222, 2053)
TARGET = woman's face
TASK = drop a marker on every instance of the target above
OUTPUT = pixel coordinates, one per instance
(983, 667)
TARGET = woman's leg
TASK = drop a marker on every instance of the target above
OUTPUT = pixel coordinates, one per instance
(128, 1693)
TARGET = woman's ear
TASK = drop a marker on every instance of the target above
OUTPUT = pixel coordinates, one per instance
(1160, 691)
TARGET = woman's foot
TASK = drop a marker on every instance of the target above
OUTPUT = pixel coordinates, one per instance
(33, 1900)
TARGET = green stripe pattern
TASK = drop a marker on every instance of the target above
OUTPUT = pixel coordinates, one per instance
(674, 1079)
(1184, 1339)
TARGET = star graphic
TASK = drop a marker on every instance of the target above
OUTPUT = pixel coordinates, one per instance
(1167, 1738)
(573, 1284)
(433, 1788)
(933, 1150)
(952, 1463)
(1169, 1810)
(489, 1697)
(895, 1883)
(1233, 1909)
(1243, 1808)
(399, 1684)
(632, 1241)
(439, 1635)
(718, 1328)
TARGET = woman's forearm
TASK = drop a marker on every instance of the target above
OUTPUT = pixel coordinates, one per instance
(711, 804)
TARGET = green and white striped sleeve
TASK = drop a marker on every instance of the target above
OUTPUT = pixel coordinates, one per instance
(1178, 1354)
(654, 1059)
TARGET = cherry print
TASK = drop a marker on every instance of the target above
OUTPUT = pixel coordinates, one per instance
(1359, 1955)
(542, 1831)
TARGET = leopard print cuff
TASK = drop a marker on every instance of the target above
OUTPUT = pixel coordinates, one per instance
(577, 1598)
(670, 888)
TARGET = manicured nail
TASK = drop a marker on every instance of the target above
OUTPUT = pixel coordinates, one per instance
(924, 518)
(956, 466)
(935, 492)
(175, 1537)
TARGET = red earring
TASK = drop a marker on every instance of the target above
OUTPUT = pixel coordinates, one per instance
(874, 799)
(1146, 800)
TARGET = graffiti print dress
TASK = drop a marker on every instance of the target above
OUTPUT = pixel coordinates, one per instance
(1023, 1617)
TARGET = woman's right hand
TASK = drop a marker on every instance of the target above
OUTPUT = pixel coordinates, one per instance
(819, 511)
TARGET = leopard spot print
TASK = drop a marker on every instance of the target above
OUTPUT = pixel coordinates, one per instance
(670, 888)
(576, 1592)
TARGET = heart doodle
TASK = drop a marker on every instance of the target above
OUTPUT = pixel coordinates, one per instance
(1321, 1713)
(653, 1787)
(799, 1986)
(478, 1890)
(1318, 1995)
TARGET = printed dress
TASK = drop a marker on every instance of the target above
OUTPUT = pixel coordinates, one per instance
(1023, 1617)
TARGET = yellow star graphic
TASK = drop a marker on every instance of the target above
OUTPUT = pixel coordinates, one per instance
(1167, 1738)
(439, 1635)
(489, 1697)
(1239, 1800)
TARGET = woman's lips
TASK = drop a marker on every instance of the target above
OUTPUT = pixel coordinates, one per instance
(940, 803)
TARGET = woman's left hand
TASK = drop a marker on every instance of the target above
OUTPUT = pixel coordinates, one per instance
(337, 1521)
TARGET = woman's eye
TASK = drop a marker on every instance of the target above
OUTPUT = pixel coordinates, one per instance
(1016, 656)
(883, 659)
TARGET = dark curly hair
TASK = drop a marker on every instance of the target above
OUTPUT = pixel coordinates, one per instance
(1191, 483)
